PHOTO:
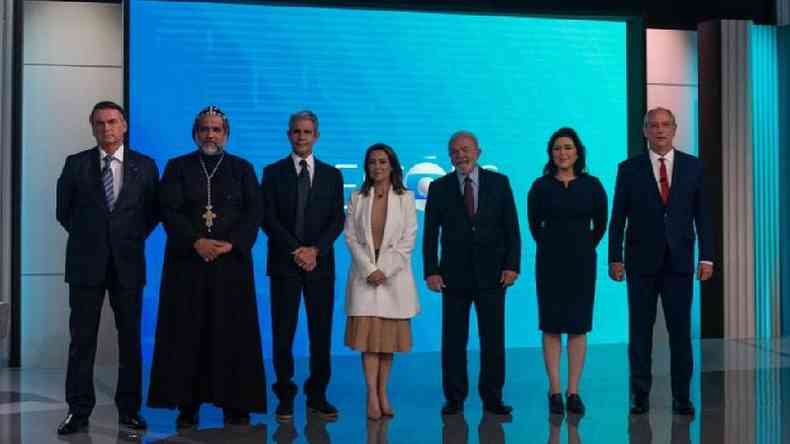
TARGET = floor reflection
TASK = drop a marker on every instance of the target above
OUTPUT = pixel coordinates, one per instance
(378, 430)
(572, 425)
(245, 434)
(455, 429)
(315, 431)
(640, 431)
(741, 390)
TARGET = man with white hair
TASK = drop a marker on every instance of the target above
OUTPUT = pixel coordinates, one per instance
(472, 214)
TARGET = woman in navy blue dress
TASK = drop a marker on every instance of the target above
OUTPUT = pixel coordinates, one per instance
(567, 218)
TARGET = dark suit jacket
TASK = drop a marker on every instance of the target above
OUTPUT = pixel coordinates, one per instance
(324, 217)
(474, 251)
(96, 235)
(650, 227)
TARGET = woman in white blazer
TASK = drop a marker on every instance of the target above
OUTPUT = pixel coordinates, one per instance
(381, 297)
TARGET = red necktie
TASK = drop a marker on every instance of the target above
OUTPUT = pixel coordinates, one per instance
(663, 181)
(469, 198)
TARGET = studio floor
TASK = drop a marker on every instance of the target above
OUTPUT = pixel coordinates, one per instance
(741, 389)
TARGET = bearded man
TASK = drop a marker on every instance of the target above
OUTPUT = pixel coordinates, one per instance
(208, 345)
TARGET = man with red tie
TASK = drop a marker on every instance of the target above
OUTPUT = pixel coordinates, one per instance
(659, 207)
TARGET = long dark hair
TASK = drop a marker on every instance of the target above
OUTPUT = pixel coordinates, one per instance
(580, 167)
(396, 172)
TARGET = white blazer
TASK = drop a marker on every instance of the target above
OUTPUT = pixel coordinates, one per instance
(396, 298)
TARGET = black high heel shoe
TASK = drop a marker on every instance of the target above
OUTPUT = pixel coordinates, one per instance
(574, 403)
(556, 406)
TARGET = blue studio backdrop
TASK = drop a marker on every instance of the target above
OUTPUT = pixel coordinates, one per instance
(408, 79)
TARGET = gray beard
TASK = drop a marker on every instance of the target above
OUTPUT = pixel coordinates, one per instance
(211, 149)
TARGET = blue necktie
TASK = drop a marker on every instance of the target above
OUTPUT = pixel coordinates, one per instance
(106, 178)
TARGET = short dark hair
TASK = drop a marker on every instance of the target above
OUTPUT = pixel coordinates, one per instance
(396, 175)
(580, 167)
(211, 110)
(106, 104)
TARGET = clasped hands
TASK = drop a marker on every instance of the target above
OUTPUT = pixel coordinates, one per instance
(376, 278)
(436, 282)
(306, 257)
(211, 249)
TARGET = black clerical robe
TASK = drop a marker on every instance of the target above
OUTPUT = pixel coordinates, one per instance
(208, 345)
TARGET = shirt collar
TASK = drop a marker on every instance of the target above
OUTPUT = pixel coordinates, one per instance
(669, 156)
(118, 154)
(310, 161)
(473, 175)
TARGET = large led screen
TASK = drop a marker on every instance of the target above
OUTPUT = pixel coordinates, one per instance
(408, 79)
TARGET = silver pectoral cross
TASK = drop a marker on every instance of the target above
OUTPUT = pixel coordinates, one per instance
(209, 217)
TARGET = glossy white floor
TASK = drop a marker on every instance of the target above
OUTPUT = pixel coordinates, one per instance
(741, 390)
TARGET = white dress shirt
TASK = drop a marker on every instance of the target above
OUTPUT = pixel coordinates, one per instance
(310, 165)
(117, 170)
(474, 178)
(669, 161)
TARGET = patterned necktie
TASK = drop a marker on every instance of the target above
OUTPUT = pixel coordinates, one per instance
(107, 179)
(469, 197)
(302, 191)
(663, 181)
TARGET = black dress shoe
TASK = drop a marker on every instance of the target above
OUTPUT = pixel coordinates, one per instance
(187, 418)
(452, 408)
(133, 421)
(72, 424)
(685, 407)
(640, 405)
(285, 410)
(236, 416)
(322, 408)
(556, 406)
(574, 404)
(498, 409)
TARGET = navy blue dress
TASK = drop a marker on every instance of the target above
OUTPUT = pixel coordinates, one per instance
(567, 224)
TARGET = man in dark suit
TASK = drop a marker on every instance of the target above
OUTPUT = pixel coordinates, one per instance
(106, 201)
(658, 204)
(303, 215)
(480, 242)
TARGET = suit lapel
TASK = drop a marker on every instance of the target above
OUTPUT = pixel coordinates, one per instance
(94, 177)
(482, 191)
(289, 183)
(129, 176)
(367, 202)
(392, 201)
(318, 176)
(650, 179)
(676, 174)
(457, 197)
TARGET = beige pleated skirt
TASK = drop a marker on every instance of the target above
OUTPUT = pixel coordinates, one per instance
(378, 335)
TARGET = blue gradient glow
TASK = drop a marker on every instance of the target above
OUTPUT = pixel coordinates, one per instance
(765, 142)
(404, 78)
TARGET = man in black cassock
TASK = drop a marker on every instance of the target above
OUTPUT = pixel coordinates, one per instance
(208, 345)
